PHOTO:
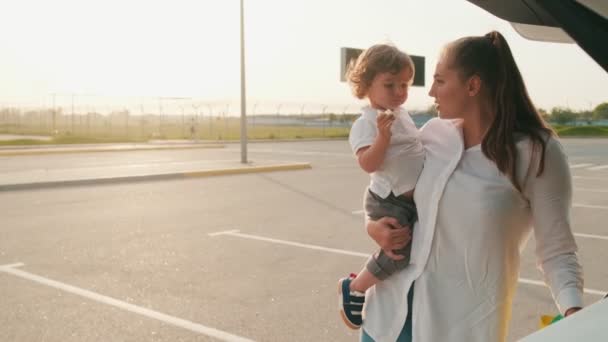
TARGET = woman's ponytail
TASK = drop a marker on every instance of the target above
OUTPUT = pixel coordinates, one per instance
(490, 58)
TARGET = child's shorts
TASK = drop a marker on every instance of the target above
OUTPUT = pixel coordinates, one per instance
(404, 210)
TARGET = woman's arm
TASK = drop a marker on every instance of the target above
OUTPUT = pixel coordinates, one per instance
(550, 198)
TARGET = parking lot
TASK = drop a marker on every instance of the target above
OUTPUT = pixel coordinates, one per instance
(233, 258)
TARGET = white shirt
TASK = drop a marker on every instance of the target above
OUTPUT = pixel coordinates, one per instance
(466, 245)
(404, 157)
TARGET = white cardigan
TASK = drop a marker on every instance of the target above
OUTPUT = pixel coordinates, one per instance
(466, 245)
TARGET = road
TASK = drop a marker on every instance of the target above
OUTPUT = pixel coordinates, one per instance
(222, 258)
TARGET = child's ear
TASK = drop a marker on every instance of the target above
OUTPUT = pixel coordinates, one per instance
(473, 85)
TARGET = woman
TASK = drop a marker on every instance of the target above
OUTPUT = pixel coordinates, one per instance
(494, 172)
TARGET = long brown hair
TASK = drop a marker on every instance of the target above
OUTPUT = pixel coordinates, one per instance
(489, 57)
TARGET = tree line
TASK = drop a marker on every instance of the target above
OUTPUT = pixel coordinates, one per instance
(563, 115)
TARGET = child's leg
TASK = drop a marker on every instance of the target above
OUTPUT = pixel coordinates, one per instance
(351, 294)
(381, 266)
(351, 290)
(363, 281)
(350, 303)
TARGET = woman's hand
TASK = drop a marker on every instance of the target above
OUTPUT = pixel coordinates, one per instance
(389, 235)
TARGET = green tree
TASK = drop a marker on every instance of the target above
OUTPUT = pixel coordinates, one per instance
(544, 114)
(601, 111)
(345, 118)
(562, 115)
(586, 115)
(332, 119)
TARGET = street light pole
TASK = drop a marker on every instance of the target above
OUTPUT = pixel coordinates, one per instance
(160, 116)
(279, 120)
(54, 115)
(72, 123)
(196, 128)
(243, 92)
(183, 122)
(210, 120)
(323, 119)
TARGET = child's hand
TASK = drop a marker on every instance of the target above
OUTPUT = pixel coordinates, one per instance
(384, 123)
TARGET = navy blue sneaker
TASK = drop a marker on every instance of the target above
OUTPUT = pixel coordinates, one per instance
(350, 303)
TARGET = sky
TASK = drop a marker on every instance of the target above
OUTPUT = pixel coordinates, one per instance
(133, 52)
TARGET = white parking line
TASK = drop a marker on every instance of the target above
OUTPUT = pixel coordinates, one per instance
(574, 205)
(591, 190)
(182, 323)
(591, 236)
(364, 255)
(540, 283)
(589, 206)
(290, 243)
(596, 168)
(578, 166)
(590, 178)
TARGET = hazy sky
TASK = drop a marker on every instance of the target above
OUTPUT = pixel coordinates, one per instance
(190, 48)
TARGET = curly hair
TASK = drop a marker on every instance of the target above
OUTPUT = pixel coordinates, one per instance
(377, 59)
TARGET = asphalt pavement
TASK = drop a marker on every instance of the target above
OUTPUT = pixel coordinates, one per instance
(225, 257)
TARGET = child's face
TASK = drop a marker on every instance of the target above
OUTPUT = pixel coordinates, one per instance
(389, 91)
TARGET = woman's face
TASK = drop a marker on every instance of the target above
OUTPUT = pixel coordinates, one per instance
(450, 92)
(389, 91)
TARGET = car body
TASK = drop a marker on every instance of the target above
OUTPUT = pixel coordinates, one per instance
(582, 21)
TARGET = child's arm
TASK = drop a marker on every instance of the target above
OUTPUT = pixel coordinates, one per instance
(371, 157)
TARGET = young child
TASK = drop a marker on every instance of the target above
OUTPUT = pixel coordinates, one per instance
(385, 141)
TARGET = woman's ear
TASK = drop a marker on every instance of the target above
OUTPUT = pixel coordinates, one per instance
(473, 85)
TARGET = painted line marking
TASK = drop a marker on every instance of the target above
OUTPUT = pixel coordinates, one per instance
(364, 255)
(290, 243)
(590, 206)
(589, 178)
(540, 283)
(578, 166)
(596, 168)
(591, 190)
(574, 205)
(226, 232)
(591, 236)
(179, 322)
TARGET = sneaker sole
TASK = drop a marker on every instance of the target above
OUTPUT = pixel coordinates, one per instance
(342, 313)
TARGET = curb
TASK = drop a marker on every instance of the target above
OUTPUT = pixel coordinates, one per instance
(245, 170)
(25, 152)
(155, 177)
(255, 141)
